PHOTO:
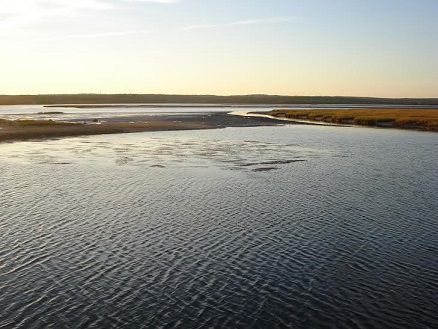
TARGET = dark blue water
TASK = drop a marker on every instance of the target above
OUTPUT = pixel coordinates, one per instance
(268, 227)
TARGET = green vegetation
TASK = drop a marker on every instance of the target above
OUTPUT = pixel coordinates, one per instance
(201, 99)
(423, 119)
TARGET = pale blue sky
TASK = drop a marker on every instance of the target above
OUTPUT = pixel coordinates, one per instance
(307, 47)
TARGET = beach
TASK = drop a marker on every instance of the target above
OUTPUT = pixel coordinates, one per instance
(14, 130)
(69, 121)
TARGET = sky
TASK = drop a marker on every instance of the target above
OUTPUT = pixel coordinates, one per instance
(382, 48)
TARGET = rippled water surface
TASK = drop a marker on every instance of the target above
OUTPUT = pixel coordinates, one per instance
(267, 227)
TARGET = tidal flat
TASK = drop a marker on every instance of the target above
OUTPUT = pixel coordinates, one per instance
(16, 130)
(34, 122)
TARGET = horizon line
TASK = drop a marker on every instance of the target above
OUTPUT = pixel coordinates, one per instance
(211, 95)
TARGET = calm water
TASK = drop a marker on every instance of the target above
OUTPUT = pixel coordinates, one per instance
(15, 112)
(268, 227)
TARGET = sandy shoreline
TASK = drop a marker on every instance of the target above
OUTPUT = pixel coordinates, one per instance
(18, 130)
(41, 129)
(247, 114)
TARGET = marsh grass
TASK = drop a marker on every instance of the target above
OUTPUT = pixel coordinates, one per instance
(423, 119)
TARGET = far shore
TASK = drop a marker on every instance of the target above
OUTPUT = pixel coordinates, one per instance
(164, 99)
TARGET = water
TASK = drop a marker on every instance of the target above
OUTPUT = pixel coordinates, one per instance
(39, 112)
(267, 227)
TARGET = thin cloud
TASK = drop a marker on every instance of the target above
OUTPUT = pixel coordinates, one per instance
(238, 23)
(105, 34)
(14, 7)
(155, 1)
(17, 13)
(92, 35)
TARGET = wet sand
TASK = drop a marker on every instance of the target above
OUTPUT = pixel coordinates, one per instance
(33, 129)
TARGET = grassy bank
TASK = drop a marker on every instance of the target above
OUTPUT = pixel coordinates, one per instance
(420, 119)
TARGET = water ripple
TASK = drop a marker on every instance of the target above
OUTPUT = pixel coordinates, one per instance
(176, 230)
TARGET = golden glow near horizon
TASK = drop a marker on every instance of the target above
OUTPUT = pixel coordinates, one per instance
(273, 47)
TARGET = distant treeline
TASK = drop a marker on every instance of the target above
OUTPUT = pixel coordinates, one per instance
(203, 99)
